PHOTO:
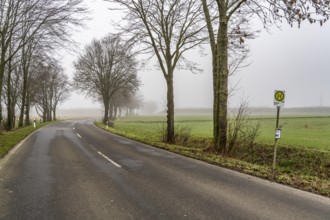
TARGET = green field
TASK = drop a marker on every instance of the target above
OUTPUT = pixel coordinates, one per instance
(306, 132)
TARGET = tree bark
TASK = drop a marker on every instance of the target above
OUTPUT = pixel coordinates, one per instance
(170, 108)
(9, 125)
(26, 57)
(21, 116)
(106, 111)
(0, 112)
(219, 61)
(222, 91)
(2, 73)
(27, 111)
(54, 113)
(215, 95)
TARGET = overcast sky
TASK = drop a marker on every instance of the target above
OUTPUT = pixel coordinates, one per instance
(290, 59)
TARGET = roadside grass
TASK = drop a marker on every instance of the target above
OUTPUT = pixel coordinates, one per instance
(9, 139)
(303, 154)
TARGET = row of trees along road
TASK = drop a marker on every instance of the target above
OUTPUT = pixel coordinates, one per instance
(29, 33)
(107, 72)
(166, 29)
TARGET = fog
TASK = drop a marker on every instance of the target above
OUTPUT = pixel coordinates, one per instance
(291, 59)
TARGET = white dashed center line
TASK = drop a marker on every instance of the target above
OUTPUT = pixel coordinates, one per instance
(108, 159)
(100, 153)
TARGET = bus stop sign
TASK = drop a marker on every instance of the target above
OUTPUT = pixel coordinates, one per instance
(279, 98)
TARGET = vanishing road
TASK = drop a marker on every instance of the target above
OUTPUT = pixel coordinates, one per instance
(74, 170)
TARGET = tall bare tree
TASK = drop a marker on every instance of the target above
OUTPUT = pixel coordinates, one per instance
(105, 67)
(61, 90)
(165, 29)
(41, 100)
(51, 87)
(221, 14)
(11, 90)
(21, 21)
(27, 53)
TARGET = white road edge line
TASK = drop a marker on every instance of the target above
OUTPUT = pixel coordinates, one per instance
(7, 157)
(108, 159)
(79, 135)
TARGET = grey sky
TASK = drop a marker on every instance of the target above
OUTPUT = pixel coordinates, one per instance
(290, 59)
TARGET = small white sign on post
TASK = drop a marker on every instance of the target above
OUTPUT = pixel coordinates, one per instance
(279, 98)
(278, 133)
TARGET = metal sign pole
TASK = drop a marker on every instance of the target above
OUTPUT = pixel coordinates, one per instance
(278, 116)
(279, 100)
(277, 135)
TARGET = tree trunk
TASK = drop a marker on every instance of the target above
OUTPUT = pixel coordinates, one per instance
(25, 73)
(106, 111)
(44, 114)
(9, 125)
(27, 109)
(110, 112)
(0, 112)
(2, 73)
(221, 93)
(215, 95)
(50, 106)
(170, 109)
(21, 116)
(22, 110)
(54, 113)
(48, 116)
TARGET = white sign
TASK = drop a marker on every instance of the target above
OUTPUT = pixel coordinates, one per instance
(278, 133)
(279, 98)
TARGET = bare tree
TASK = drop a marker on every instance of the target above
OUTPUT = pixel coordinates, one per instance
(41, 100)
(220, 15)
(242, 131)
(11, 89)
(27, 53)
(61, 90)
(165, 29)
(21, 21)
(105, 67)
(125, 99)
(31, 58)
(51, 87)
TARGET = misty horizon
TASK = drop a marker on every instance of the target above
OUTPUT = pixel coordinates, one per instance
(287, 58)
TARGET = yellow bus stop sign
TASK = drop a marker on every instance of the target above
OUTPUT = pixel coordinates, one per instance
(279, 98)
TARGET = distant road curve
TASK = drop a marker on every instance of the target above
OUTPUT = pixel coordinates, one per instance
(74, 170)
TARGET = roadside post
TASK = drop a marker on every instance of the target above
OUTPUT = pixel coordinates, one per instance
(279, 99)
(34, 123)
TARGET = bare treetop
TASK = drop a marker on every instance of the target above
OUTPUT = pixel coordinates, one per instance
(106, 67)
(165, 29)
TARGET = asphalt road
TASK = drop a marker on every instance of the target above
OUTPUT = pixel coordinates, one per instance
(73, 170)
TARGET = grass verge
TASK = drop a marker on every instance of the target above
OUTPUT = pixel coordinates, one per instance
(10, 139)
(305, 169)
